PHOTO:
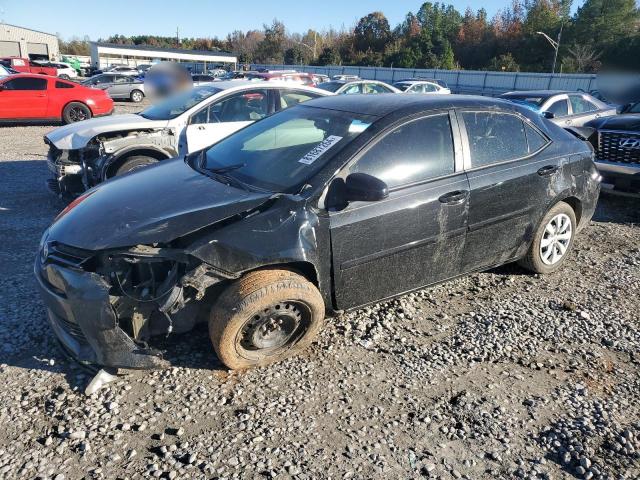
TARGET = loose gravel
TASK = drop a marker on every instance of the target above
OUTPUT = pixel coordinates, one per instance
(500, 374)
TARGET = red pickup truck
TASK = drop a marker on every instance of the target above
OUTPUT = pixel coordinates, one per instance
(24, 65)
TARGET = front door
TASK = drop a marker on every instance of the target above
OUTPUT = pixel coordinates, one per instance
(510, 167)
(220, 119)
(413, 238)
(24, 97)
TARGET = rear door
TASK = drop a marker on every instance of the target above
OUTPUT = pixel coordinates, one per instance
(583, 110)
(24, 97)
(223, 117)
(120, 86)
(510, 169)
(413, 238)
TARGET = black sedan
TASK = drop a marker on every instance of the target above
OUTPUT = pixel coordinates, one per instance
(324, 207)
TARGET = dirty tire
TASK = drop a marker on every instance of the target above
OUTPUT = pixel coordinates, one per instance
(136, 96)
(246, 299)
(533, 260)
(75, 112)
(134, 163)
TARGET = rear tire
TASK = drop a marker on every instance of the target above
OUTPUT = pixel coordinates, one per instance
(136, 96)
(134, 163)
(552, 241)
(75, 112)
(264, 317)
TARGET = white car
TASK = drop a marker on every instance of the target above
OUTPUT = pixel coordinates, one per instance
(421, 86)
(350, 87)
(65, 71)
(86, 153)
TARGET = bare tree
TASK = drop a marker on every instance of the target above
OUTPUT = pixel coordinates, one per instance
(585, 58)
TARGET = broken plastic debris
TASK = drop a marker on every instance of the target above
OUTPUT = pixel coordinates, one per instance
(101, 379)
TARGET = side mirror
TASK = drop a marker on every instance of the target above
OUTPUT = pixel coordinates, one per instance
(362, 187)
(548, 114)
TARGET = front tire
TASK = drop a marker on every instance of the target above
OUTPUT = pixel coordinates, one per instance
(134, 163)
(75, 112)
(264, 317)
(552, 241)
(136, 96)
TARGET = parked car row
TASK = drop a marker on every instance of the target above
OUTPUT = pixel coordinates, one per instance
(316, 206)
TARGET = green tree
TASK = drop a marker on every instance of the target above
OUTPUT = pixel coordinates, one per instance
(271, 48)
(504, 63)
(604, 22)
(372, 33)
(330, 56)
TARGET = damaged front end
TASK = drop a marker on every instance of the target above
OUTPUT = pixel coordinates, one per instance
(77, 170)
(105, 307)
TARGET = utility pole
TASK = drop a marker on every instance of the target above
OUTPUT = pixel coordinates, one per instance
(555, 44)
(177, 37)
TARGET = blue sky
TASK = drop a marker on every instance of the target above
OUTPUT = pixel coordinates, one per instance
(202, 18)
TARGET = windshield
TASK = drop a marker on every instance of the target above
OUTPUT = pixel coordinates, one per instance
(402, 86)
(177, 104)
(331, 86)
(281, 152)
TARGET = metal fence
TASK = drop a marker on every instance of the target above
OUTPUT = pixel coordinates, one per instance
(461, 81)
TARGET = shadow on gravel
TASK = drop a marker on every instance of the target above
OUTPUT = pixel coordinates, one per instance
(617, 209)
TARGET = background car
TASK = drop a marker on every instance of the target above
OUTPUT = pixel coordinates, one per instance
(24, 65)
(119, 86)
(345, 78)
(299, 78)
(64, 70)
(564, 108)
(202, 79)
(421, 86)
(186, 122)
(319, 78)
(29, 97)
(349, 87)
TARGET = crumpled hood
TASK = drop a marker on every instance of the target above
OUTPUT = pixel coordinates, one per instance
(77, 135)
(155, 205)
(624, 122)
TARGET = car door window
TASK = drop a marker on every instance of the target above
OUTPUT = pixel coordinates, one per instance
(581, 105)
(373, 88)
(415, 151)
(352, 89)
(535, 139)
(494, 137)
(559, 108)
(289, 98)
(121, 79)
(64, 85)
(416, 89)
(26, 84)
(247, 106)
(429, 88)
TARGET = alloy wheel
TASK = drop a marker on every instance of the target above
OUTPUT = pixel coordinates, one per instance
(556, 239)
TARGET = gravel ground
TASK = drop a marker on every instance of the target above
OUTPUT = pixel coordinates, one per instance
(498, 375)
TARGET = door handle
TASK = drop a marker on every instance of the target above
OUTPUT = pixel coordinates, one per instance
(454, 198)
(547, 170)
(200, 127)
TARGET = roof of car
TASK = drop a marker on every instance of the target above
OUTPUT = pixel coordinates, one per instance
(227, 84)
(537, 93)
(415, 82)
(386, 103)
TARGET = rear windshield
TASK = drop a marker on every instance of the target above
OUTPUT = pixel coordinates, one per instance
(283, 151)
(402, 86)
(535, 101)
(176, 105)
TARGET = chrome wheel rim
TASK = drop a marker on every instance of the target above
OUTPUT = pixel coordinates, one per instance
(556, 239)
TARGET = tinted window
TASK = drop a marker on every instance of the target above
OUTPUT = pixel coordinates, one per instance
(292, 97)
(63, 85)
(559, 108)
(635, 108)
(534, 138)
(413, 152)
(246, 106)
(494, 137)
(26, 84)
(580, 105)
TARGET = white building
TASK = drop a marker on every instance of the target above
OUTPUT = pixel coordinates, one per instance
(105, 54)
(24, 42)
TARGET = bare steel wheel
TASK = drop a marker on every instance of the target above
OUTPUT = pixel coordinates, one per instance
(265, 316)
(556, 239)
(552, 240)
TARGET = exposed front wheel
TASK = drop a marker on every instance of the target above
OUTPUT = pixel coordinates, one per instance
(264, 317)
(134, 163)
(75, 112)
(552, 241)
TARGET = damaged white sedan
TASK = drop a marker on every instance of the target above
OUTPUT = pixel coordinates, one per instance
(87, 153)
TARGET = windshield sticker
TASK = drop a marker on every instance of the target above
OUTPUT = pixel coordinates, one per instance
(358, 126)
(325, 145)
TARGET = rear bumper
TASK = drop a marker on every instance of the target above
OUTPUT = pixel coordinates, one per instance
(83, 320)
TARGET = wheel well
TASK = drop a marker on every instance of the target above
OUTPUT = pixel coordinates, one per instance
(576, 205)
(145, 152)
(75, 101)
(306, 269)
(137, 90)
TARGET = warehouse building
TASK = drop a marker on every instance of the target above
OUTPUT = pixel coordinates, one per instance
(24, 42)
(105, 54)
